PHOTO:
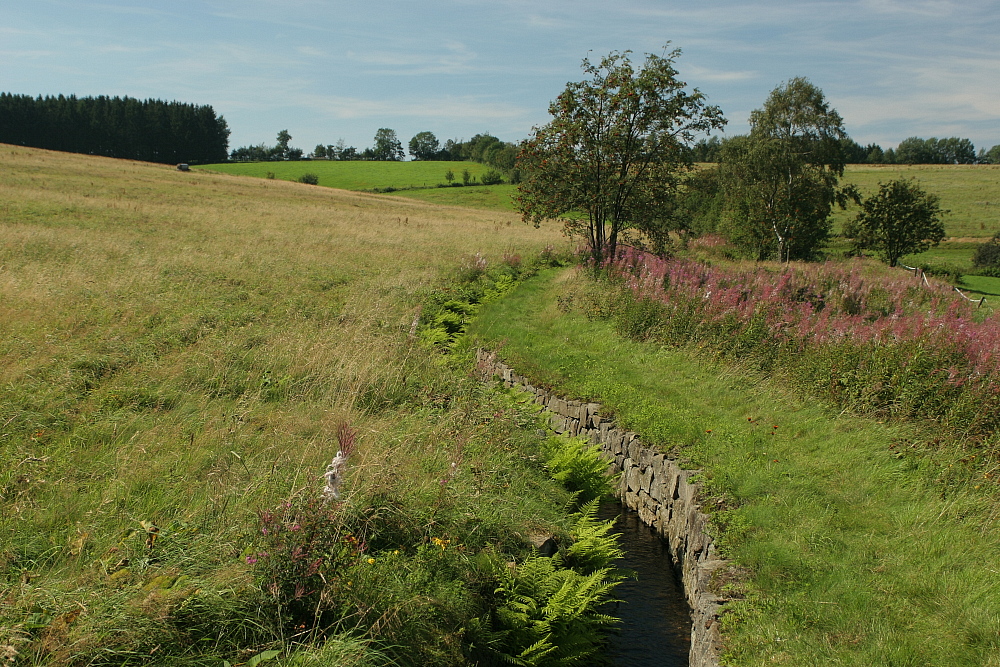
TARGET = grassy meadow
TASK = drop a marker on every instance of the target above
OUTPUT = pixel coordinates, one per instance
(182, 354)
(423, 180)
(971, 193)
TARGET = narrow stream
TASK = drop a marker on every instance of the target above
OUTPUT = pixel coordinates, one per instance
(656, 624)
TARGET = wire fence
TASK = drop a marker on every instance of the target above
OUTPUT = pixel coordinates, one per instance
(919, 273)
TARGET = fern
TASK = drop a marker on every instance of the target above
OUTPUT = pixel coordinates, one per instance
(592, 548)
(578, 466)
(549, 615)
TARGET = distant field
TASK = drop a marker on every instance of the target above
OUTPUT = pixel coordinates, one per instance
(363, 175)
(971, 193)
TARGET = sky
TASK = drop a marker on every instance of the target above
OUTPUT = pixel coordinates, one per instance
(327, 70)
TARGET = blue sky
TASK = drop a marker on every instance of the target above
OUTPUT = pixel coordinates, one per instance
(327, 70)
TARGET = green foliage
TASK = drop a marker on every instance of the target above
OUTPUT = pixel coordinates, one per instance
(592, 549)
(549, 610)
(578, 466)
(309, 178)
(424, 146)
(491, 177)
(611, 157)
(991, 156)
(900, 219)
(781, 180)
(953, 150)
(987, 255)
(447, 312)
(119, 127)
(387, 146)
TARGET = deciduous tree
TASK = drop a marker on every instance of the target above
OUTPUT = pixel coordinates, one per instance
(614, 151)
(387, 146)
(424, 146)
(900, 219)
(781, 180)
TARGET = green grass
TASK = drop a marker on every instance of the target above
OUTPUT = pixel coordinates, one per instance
(179, 350)
(981, 285)
(851, 551)
(971, 193)
(403, 176)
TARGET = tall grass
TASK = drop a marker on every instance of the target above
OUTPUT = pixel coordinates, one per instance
(178, 351)
(874, 341)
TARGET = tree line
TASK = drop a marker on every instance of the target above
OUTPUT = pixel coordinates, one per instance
(483, 148)
(914, 150)
(616, 165)
(119, 127)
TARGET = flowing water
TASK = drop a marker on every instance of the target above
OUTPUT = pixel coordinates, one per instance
(656, 624)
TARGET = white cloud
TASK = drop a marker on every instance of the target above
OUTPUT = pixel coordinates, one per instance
(699, 73)
(454, 58)
(929, 8)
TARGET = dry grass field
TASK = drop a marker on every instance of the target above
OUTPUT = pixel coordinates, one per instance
(178, 350)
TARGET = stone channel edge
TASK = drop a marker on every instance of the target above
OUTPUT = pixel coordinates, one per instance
(651, 484)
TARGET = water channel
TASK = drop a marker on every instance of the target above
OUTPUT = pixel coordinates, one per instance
(656, 624)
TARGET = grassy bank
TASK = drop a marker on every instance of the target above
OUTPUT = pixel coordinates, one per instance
(848, 547)
(182, 356)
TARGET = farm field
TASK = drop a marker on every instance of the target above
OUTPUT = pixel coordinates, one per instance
(854, 541)
(181, 356)
(402, 176)
(970, 192)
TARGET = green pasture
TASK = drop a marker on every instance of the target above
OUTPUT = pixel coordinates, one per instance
(846, 547)
(415, 179)
(971, 193)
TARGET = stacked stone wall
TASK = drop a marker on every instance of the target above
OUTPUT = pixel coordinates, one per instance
(651, 484)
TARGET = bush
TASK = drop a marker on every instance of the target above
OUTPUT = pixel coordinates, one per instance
(578, 466)
(309, 179)
(987, 254)
(492, 177)
(950, 272)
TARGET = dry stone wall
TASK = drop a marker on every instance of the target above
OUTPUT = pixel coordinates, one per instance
(654, 486)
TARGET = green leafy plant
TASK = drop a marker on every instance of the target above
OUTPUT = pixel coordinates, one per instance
(548, 610)
(578, 466)
(309, 179)
(491, 177)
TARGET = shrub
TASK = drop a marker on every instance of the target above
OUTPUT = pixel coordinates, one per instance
(309, 179)
(987, 254)
(881, 345)
(492, 177)
(270, 175)
(549, 609)
(950, 272)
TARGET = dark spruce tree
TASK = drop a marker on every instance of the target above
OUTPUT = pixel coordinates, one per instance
(120, 127)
